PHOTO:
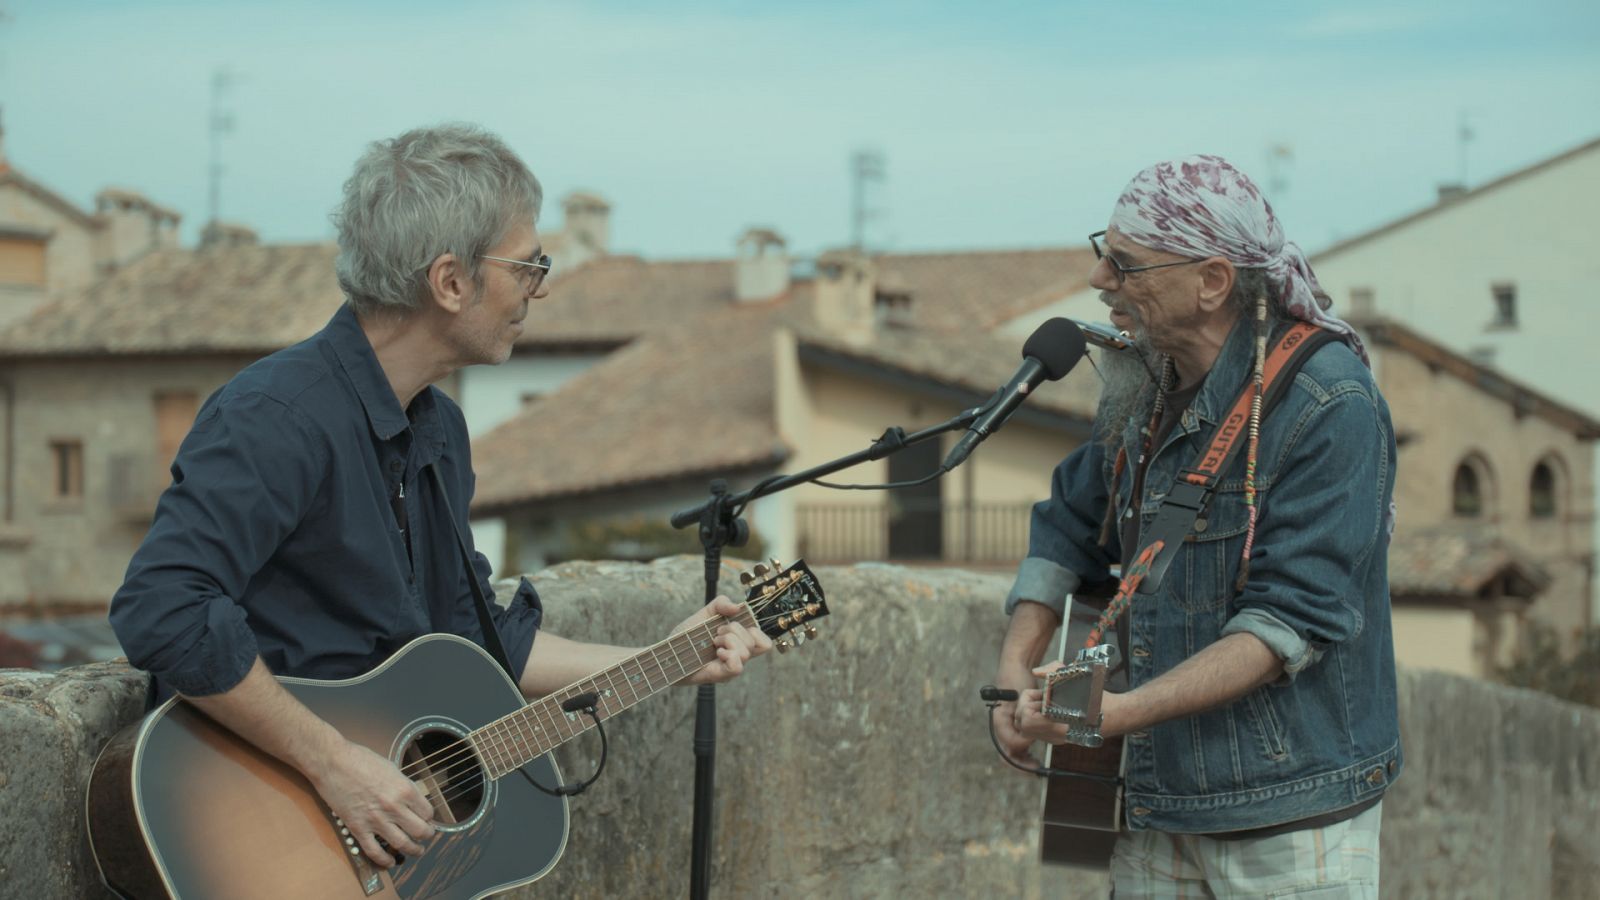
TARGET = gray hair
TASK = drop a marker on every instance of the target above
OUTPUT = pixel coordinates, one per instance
(1250, 283)
(453, 189)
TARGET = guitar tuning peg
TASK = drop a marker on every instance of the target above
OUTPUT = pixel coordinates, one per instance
(782, 645)
(761, 570)
(813, 608)
(783, 622)
(745, 579)
(811, 631)
(776, 566)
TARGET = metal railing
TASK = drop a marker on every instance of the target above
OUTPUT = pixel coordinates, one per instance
(980, 533)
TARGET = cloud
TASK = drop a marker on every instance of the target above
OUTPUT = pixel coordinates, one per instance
(1347, 23)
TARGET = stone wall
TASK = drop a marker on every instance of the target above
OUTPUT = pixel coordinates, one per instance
(859, 765)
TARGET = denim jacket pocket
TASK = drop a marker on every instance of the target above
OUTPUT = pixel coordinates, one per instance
(1264, 721)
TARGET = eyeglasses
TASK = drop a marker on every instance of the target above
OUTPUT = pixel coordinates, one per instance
(532, 273)
(1122, 271)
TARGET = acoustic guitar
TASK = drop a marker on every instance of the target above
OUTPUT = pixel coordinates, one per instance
(1082, 810)
(179, 806)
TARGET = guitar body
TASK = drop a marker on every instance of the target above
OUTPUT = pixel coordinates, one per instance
(1082, 818)
(179, 806)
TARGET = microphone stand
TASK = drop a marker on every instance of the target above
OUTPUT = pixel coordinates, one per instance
(720, 527)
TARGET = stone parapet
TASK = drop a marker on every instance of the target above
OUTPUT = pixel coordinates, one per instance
(859, 765)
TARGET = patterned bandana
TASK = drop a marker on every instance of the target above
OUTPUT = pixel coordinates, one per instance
(1202, 206)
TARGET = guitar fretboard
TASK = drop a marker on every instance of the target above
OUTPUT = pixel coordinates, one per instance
(511, 742)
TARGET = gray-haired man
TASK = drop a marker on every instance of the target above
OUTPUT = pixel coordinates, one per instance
(300, 536)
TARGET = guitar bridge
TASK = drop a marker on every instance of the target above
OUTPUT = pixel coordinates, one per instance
(1072, 694)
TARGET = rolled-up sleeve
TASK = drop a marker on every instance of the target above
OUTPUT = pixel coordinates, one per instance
(1063, 534)
(1321, 523)
(243, 479)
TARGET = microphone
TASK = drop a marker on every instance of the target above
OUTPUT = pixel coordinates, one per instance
(1050, 353)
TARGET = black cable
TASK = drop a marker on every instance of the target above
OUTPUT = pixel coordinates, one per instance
(572, 790)
(995, 697)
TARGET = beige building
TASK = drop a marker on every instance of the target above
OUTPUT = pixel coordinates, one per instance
(1505, 274)
(101, 378)
(49, 246)
(780, 368)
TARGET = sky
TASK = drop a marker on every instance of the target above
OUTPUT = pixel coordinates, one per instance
(1001, 124)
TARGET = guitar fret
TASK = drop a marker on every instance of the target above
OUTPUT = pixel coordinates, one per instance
(541, 726)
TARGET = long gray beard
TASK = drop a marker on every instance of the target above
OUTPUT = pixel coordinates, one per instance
(1129, 393)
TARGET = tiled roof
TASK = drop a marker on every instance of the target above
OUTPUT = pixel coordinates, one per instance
(643, 415)
(976, 363)
(1386, 332)
(961, 291)
(259, 298)
(242, 298)
(612, 299)
(678, 402)
(1460, 562)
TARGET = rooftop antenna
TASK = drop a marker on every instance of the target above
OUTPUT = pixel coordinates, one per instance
(1280, 157)
(865, 166)
(1464, 136)
(221, 123)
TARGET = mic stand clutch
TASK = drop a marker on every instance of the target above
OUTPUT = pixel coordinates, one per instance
(720, 526)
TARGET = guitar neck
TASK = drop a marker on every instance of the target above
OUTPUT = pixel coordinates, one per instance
(515, 740)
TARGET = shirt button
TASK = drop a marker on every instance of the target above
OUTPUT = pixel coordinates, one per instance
(1200, 524)
(1394, 767)
(1375, 776)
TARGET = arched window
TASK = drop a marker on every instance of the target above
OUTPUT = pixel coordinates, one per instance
(1466, 494)
(1545, 488)
(1472, 490)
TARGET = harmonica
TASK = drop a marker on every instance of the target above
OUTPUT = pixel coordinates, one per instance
(1103, 335)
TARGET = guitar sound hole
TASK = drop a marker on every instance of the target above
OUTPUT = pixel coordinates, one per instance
(450, 773)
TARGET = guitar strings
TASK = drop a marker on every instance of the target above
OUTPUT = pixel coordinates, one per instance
(460, 754)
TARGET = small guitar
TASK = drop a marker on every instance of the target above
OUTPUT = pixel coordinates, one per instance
(180, 807)
(1083, 814)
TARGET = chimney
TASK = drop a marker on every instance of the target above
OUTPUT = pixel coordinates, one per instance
(134, 226)
(846, 288)
(1363, 302)
(1450, 192)
(586, 225)
(891, 301)
(761, 271)
(227, 234)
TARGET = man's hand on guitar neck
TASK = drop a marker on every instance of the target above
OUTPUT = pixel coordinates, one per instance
(736, 644)
(1026, 641)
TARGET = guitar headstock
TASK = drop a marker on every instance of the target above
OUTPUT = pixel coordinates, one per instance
(785, 601)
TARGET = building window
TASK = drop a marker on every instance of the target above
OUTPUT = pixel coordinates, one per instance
(68, 459)
(1505, 305)
(1543, 491)
(1472, 489)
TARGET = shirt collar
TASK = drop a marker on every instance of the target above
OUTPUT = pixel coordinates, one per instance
(372, 386)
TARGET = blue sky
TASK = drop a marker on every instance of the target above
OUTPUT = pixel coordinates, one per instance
(1003, 124)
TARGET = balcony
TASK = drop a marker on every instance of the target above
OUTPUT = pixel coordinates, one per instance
(980, 534)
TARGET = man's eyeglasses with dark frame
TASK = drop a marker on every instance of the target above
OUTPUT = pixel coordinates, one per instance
(537, 270)
(1122, 271)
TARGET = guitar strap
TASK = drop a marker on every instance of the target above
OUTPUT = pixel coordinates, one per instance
(491, 635)
(1192, 488)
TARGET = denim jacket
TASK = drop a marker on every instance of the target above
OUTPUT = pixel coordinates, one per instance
(1325, 735)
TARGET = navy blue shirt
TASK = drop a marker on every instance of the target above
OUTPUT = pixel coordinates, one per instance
(280, 535)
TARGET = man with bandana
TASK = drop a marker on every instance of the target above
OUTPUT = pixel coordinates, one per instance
(1260, 716)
